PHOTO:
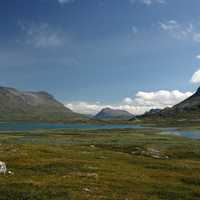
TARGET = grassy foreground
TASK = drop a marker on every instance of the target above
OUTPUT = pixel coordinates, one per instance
(99, 165)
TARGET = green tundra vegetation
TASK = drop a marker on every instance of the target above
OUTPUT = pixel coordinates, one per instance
(137, 164)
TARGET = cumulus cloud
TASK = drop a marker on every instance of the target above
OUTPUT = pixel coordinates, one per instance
(128, 100)
(93, 108)
(41, 35)
(85, 107)
(180, 31)
(148, 2)
(198, 56)
(161, 98)
(140, 103)
(196, 77)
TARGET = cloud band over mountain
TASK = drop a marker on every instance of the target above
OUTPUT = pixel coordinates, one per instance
(140, 103)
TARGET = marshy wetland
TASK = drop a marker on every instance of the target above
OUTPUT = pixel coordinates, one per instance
(104, 164)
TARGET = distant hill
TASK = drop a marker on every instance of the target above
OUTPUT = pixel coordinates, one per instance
(187, 109)
(16, 105)
(108, 113)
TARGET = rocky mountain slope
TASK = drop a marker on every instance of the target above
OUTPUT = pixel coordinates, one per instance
(16, 105)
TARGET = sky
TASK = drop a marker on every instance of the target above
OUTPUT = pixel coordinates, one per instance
(90, 54)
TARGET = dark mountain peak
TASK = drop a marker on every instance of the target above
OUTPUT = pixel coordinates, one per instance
(154, 111)
(44, 94)
(109, 113)
(106, 109)
(198, 92)
(7, 89)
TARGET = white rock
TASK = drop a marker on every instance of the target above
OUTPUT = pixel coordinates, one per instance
(86, 189)
(10, 172)
(3, 168)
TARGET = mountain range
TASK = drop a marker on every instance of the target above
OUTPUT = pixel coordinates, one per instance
(40, 106)
(18, 105)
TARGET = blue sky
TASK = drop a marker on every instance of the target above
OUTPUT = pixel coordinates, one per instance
(128, 54)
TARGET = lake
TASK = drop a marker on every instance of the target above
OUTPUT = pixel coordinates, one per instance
(25, 126)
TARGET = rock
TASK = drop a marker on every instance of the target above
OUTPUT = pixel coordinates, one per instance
(10, 172)
(149, 152)
(92, 175)
(3, 168)
(156, 156)
(86, 189)
(92, 168)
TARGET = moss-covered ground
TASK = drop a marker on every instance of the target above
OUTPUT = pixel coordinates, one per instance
(99, 165)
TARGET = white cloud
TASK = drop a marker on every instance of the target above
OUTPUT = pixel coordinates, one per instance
(148, 2)
(180, 31)
(140, 103)
(176, 29)
(65, 1)
(41, 35)
(128, 100)
(85, 107)
(196, 77)
(161, 98)
(198, 56)
(145, 2)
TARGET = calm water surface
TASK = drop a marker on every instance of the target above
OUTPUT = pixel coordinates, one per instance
(24, 126)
